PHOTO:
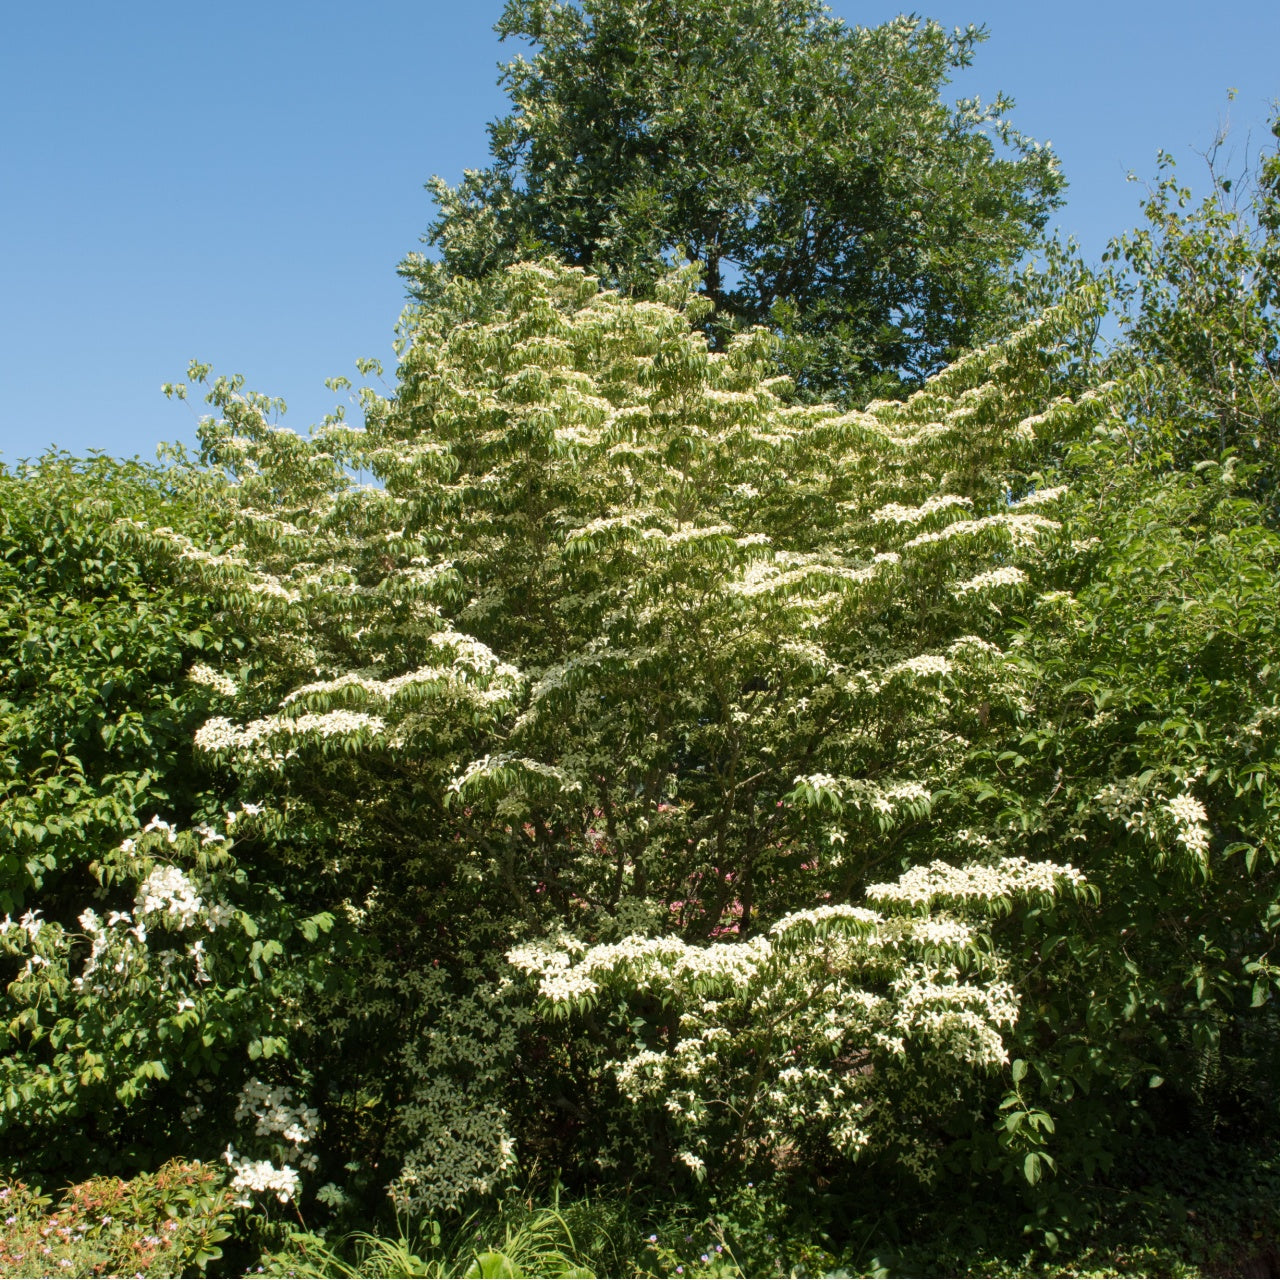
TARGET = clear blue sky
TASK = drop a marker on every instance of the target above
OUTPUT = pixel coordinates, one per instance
(237, 182)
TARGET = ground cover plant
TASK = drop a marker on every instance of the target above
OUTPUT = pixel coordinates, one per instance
(611, 810)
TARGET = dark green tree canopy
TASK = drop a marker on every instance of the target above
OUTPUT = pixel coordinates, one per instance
(814, 169)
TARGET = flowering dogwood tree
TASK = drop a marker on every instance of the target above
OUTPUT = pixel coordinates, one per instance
(625, 696)
(648, 774)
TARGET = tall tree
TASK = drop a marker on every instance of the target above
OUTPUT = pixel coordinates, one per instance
(813, 169)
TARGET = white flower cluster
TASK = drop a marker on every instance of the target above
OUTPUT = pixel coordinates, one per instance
(966, 645)
(167, 891)
(157, 823)
(1022, 530)
(1125, 802)
(120, 948)
(962, 1018)
(847, 992)
(831, 913)
(1040, 497)
(275, 1114)
(907, 793)
(950, 934)
(119, 936)
(909, 799)
(204, 674)
(766, 576)
(30, 924)
(913, 515)
(261, 1176)
(220, 734)
(667, 961)
(510, 769)
(470, 654)
(681, 537)
(1191, 819)
(1143, 809)
(976, 882)
(993, 579)
(925, 664)
(500, 682)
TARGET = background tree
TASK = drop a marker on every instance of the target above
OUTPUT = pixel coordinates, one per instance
(1199, 306)
(813, 169)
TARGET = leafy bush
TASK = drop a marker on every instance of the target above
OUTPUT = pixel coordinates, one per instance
(167, 1223)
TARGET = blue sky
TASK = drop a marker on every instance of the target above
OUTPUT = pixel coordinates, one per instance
(236, 183)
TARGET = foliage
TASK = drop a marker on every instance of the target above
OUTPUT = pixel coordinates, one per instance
(142, 967)
(767, 814)
(1152, 753)
(533, 1242)
(1196, 297)
(97, 718)
(813, 169)
(167, 1223)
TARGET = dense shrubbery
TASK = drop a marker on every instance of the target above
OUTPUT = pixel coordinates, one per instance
(754, 818)
(166, 1223)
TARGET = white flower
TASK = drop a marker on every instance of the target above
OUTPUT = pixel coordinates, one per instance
(168, 891)
(204, 674)
(274, 1112)
(926, 664)
(977, 882)
(157, 823)
(262, 1175)
(1007, 576)
(1022, 530)
(1186, 809)
(1040, 496)
(893, 513)
(220, 734)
